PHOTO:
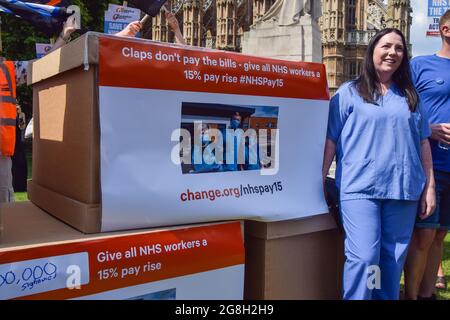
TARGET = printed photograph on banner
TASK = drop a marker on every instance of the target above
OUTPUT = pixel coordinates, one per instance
(170, 294)
(227, 138)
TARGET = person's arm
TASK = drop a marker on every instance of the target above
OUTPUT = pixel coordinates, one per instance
(130, 30)
(64, 36)
(428, 199)
(328, 156)
(337, 116)
(172, 22)
(60, 41)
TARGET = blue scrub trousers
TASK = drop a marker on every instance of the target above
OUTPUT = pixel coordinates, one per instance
(378, 233)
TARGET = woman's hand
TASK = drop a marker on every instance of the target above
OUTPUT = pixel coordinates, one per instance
(172, 22)
(68, 28)
(427, 202)
(130, 30)
(428, 198)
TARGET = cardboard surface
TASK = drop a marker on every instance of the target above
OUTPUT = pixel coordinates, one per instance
(26, 225)
(66, 135)
(294, 259)
(81, 51)
(82, 216)
(303, 266)
(289, 228)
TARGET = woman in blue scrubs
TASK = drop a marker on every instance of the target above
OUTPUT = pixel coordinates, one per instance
(384, 173)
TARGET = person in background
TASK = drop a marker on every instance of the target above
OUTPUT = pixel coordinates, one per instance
(252, 159)
(208, 161)
(441, 283)
(431, 76)
(172, 22)
(13, 74)
(8, 113)
(19, 159)
(236, 163)
(378, 132)
(64, 36)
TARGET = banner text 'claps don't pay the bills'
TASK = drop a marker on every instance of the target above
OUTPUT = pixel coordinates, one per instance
(244, 68)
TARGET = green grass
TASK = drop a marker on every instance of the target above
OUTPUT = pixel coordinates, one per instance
(445, 294)
(23, 196)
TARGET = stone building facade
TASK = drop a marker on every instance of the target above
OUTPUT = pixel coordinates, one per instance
(347, 27)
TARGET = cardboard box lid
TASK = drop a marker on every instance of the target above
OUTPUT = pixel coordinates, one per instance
(82, 51)
(289, 228)
(25, 226)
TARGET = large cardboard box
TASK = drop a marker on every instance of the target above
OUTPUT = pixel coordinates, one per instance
(100, 83)
(43, 258)
(295, 259)
(66, 134)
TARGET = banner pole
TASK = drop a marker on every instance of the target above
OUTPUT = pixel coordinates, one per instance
(125, 3)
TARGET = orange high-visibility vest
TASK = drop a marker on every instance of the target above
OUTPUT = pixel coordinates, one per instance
(8, 111)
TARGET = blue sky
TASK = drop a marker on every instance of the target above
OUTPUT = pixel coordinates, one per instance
(422, 44)
(269, 112)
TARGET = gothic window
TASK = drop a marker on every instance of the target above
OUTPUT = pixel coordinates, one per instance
(351, 14)
(352, 69)
(375, 16)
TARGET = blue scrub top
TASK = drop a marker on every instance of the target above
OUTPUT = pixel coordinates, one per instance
(209, 162)
(234, 164)
(252, 161)
(431, 75)
(377, 146)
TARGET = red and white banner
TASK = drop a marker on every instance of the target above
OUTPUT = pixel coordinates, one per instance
(172, 154)
(205, 262)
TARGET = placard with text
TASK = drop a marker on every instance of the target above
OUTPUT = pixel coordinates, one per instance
(194, 262)
(192, 135)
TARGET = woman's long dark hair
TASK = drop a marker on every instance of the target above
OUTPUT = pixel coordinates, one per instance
(367, 83)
